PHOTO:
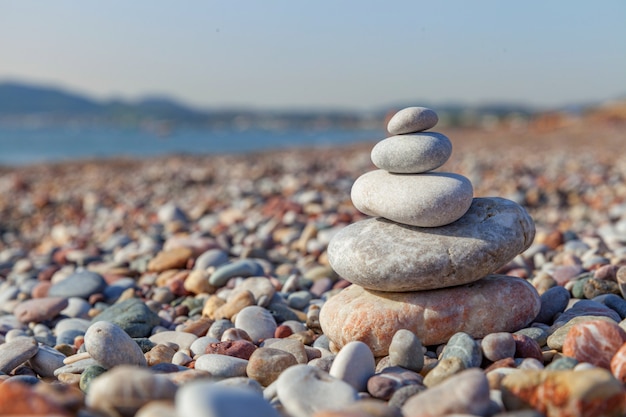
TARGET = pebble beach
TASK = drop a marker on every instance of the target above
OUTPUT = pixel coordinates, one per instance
(193, 285)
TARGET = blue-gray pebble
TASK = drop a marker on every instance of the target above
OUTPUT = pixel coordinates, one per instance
(241, 268)
(81, 284)
(553, 301)
(614, 302)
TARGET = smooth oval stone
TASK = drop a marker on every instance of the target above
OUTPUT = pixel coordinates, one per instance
(553, 301)
(303, 390)
(212, 257)
(46, 361)
(209, 399)
(81, 284)
(498, 346)
(257, 322)
(594, 342)
(592, 392)
(241, 268)
(266, 364)
(125, 389)
(39, 309)
(465, 393)
(111, 346)
(422, 200)
(354, 364)
(405, 351)
(381, 255)
(463, 346)
(496, 303)
(585, 308)
(412, 119)
(412, 154)
(614, 302)
(16, 352)
(132, 315)
(221, 366)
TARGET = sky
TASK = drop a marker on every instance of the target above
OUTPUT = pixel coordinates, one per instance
(320, 54)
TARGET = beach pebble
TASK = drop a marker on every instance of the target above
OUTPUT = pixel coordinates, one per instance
(553, 301)
(496, 346)
(221, 366)
(594, 341)
(15, 352)
(261, 289)
(81, 284)
(434, 316)
(585, 308)
(211, 258)
(597, 287)
(303, 390)
(125, 389)
(242, 349)
(46, 361)
(405, 350)
(557, 338)
(132, 315)
(39, 309)
(354, 364)
(184, 340)
(170, 259)
(257, 322)
(384, 385)
(111, 346)
(614, 302)
(618, 364)
(240, 268)
(208, 399)
(593, 392)
(526, 347)
(425, 200)
(266, 364)
(464, 393)
(412, 119)
(88, 375)
(461, 345)
(406, 258)
(444, 369)
(413, 153)
(292, 346)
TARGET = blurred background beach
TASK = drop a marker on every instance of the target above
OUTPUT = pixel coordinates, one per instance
(147, 78)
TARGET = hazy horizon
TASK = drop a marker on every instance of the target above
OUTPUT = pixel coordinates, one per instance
(300, 56)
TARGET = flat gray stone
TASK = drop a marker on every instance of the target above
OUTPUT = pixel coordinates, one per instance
(221, 366)
(412, 154)
(81, 284)
(382, 255)
(424, 200)
(412, 119)
(16, 352)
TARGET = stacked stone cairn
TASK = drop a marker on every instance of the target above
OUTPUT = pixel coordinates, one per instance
(426, 262)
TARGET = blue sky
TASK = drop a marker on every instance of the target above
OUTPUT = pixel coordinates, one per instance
(338, 54)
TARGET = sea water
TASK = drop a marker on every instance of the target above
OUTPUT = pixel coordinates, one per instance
(19, 146)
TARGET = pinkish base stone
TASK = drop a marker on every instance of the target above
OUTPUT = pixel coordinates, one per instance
(496, 303)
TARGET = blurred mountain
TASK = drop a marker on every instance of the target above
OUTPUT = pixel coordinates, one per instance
(24, 104)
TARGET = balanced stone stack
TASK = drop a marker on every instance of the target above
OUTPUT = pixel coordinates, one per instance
(426, 262)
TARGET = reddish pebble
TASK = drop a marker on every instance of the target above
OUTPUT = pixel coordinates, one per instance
(41, 290)
(96, 298)
(595, 342)
(564, 274)
(502, 363)
(606, 272)
(341, 284)
(525, 347)
(238, 348)
(618, 364)
(46, 274)
(283, 331)
(21, 399)
(40, 309)
(79, 341)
